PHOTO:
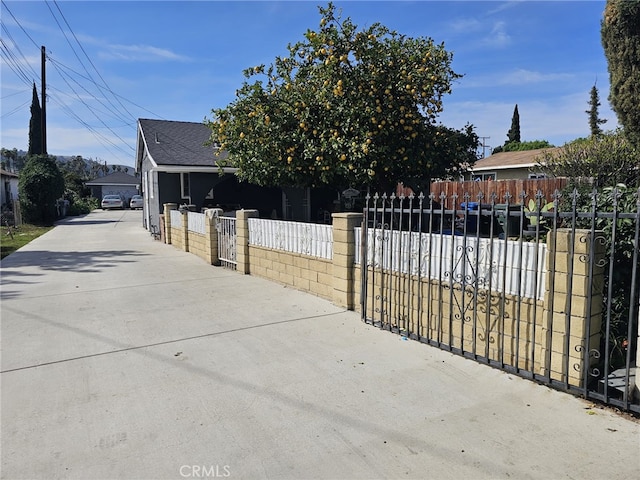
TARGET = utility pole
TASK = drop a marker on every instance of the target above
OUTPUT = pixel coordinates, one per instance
(484, 146)
(44, 100)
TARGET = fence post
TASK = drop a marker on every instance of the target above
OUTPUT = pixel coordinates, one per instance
(344, 252)
(184, 231)
(242, 233)
(167, 220)
(573, 309)
(635, 391)
(211, 235)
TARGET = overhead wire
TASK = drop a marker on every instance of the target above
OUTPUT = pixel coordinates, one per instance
(12, 58)
(91, 109)
(13, 63)
(87, 56)
(15, 110)
(104, 104)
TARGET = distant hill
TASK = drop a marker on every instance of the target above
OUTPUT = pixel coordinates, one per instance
(91, 168)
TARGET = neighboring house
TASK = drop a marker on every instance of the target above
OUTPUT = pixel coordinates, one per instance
(508, 166)
(177, 167)
(8, 188)
(116, 183)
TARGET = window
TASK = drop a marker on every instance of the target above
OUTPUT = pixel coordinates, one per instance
(482, 177)
(533, 176)
(185, 189)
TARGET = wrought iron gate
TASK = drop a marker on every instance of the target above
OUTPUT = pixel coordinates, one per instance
(543, 291)
(227, 241)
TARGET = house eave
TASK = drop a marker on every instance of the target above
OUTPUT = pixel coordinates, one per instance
(191, 169)
(504, 167)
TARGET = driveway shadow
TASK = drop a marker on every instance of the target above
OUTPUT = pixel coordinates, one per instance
(13, 266)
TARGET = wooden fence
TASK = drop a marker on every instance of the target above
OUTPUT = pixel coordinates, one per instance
(498, 187)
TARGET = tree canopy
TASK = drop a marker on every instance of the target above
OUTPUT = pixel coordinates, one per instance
(620, 33)
(594, 119)
(608, 159)
(513, 135)
(35, 126)
(41, 183)
(347, 107)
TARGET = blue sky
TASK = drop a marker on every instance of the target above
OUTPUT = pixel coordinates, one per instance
(110, 63)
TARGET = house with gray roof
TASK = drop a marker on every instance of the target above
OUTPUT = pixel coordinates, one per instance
(177, 167)
(509, 165)
(116, 183)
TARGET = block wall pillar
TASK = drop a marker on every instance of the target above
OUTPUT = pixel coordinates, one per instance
(242, 237)
(167, 220)
(344, 252)
(572, 315)
(211, 235)
(184, 231)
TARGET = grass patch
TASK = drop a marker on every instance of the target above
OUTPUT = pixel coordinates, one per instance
(21, 236)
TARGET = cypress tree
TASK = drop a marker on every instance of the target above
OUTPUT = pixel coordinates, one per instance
(594, 120)
(513, 135)
(620, 33)
(35, 126)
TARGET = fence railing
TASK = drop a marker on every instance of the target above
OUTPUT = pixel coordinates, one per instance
(196, 223)
(513, 267)
(176, 219)
(304, 238)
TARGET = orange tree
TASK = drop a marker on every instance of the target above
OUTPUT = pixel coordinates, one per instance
(345, 108)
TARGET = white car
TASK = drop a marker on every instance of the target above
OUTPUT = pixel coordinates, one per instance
(136, 202)
(112, 201)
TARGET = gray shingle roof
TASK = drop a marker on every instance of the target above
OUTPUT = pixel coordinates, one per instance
(178, 143)
(115, 178)
(521, 159)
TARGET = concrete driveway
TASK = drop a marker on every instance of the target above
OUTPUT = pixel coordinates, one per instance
(123, 358)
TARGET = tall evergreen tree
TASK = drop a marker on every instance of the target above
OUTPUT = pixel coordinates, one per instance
(594, 120)
(620, 33)
(35, 126)
(513, 136)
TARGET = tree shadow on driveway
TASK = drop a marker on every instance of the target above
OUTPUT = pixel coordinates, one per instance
(21, 267)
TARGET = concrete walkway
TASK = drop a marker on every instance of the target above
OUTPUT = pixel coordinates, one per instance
(124, 358)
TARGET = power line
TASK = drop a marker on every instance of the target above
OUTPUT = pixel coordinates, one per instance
(15, 110)
(90, 89)
(87, 56)
(18, 23)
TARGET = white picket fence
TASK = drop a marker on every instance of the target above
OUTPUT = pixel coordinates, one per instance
(176, 219)
(303, 238)
(196, 222)
(517, 268)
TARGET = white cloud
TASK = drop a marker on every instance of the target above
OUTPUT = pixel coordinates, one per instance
(465, 25)
(139, 53)
(498, 37)
(503, 6)
(523, 76)
(519, 76)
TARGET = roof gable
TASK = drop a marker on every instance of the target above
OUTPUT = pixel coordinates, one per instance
(171, 142)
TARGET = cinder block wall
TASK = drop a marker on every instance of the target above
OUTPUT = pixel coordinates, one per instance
(197, 244)
(547, 337)
(205, 245)
(309, 274)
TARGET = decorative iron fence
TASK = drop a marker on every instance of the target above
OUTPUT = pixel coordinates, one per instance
(546, 291)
